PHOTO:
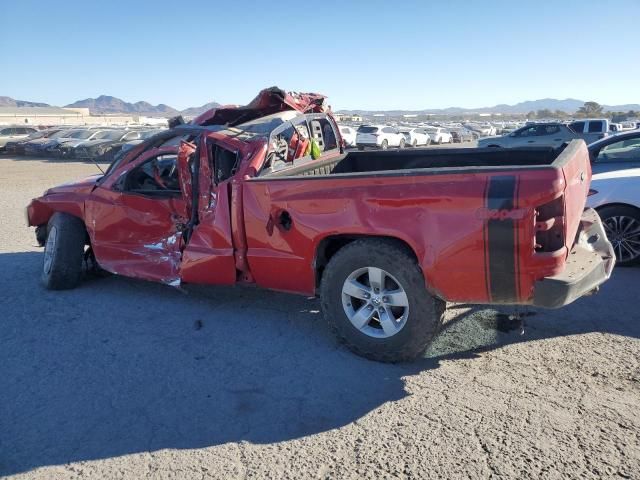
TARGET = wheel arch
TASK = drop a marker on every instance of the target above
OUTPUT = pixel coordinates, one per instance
(77, 217)
(617, 204)
(328, 246)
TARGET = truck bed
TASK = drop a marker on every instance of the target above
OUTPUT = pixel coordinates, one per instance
(428, 161)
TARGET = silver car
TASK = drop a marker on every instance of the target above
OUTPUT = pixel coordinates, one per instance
(535, 135)
(8, 134)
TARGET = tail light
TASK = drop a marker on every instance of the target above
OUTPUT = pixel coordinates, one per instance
(549, 226)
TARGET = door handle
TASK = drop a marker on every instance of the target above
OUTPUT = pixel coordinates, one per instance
(531, 141)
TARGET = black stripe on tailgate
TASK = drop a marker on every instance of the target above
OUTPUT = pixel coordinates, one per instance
(500, 239)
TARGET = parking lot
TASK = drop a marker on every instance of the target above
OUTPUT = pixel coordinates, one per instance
(123, 378)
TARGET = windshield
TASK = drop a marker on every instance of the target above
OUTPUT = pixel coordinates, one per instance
(431, 129)
(109, 135)
(148, 134)
(80, 134)
(61, 134)
(34, 135)
(367, 129)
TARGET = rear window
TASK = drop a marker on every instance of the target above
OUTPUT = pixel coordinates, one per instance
(596, 127)
(577, 127)
(367, 129)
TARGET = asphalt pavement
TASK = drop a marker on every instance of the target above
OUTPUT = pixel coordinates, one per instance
(128, 379)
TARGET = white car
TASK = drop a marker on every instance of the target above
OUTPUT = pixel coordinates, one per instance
(379, 136)
(616, 197)
(439, 135)
(415, 137)
(8, 134)
(348, 135)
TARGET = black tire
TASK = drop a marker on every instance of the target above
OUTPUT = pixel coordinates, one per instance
(414, 144)
(64, 250)
(384, 145)
(608, 215)
(360, 148)
(425, 312)
(402, 144)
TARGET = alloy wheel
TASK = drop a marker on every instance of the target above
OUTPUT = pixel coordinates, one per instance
(375, 302)
(624, 234)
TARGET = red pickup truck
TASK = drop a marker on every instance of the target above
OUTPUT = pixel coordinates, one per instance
(266, 195)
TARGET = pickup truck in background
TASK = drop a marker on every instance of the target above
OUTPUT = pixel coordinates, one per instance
(550, 134)
(385, 238)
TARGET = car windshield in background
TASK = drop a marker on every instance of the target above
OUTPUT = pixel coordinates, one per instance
(148, 134)
(109, 135)
(367, 129)
(61, 134)
(431, 129)
(34, 135)
(80, 134)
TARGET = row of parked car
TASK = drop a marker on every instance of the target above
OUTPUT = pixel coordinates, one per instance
(387, 136)
(72, 142)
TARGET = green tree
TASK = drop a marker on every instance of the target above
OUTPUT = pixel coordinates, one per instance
(590, 109)
(544, 113)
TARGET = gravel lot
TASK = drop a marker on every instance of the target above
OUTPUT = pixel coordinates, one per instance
(127, 379)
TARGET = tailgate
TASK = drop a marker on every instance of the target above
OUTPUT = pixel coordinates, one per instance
(576, 168)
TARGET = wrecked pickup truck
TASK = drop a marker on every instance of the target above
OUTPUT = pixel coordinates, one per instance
(384, 238)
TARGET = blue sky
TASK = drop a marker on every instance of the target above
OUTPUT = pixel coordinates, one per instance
(369, 54)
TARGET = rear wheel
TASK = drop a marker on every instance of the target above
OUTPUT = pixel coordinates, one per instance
(63, 252)
(374, 298)
(402, 143)
(622, 225)
(414, 144)
(384, 145)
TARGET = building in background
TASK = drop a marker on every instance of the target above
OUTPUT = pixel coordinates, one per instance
(50, 116)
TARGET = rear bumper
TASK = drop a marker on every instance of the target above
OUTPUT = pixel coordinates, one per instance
(588, 265)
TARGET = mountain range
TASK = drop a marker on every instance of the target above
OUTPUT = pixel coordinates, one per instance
(105, 104)
(10, 102)
(568, 105)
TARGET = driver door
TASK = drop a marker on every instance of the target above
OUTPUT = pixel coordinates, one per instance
(137, 217)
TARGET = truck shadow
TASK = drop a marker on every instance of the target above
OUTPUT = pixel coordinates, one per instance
(118, 367)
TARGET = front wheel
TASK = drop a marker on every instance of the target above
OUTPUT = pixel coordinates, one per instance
(374, 298)
(402, 143)
(384, 145)
(63, 252)
(622, 225)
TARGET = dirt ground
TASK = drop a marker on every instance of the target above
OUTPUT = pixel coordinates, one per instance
(127, 379)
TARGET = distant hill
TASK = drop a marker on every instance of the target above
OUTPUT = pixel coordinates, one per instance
(106, 104)
(10, 102)
(110, 105)
(195, 111)
(568, 105)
